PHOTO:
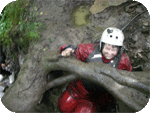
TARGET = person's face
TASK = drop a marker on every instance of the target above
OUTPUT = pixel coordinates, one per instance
(109, 51)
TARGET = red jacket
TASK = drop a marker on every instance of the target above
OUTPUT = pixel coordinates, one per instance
(84, 50)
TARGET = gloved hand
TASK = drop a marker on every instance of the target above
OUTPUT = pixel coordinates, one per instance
(67, 52)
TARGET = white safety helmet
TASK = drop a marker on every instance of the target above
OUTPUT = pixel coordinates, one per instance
(113, 36)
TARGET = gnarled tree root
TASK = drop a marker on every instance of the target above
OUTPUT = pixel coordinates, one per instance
(133, 88)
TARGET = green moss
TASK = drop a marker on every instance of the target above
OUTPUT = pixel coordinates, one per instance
(12, 14)
(81, 16)
(19, 25)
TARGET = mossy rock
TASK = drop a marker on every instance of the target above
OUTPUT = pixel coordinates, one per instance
(19, 26)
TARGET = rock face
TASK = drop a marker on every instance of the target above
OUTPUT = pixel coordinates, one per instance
(100, 5)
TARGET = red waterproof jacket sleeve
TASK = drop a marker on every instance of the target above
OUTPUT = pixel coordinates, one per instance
(83, 51)
(125, 63)
(62, 47)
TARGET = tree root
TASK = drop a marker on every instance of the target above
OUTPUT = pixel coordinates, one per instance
(132, 88)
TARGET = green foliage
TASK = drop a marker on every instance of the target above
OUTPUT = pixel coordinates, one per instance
(5, 26)
(28, 32)
(10, 17)
(18, 25)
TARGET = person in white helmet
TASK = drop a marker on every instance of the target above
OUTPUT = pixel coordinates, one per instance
(82, 95)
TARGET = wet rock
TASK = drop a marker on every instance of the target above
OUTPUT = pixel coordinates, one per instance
(145, 27)
(1, 94)
(100, 5)
(2, 87)
(145, 23)
(21, 59)
(130, 8)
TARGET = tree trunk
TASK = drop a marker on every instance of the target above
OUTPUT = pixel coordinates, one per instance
(130, 87)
